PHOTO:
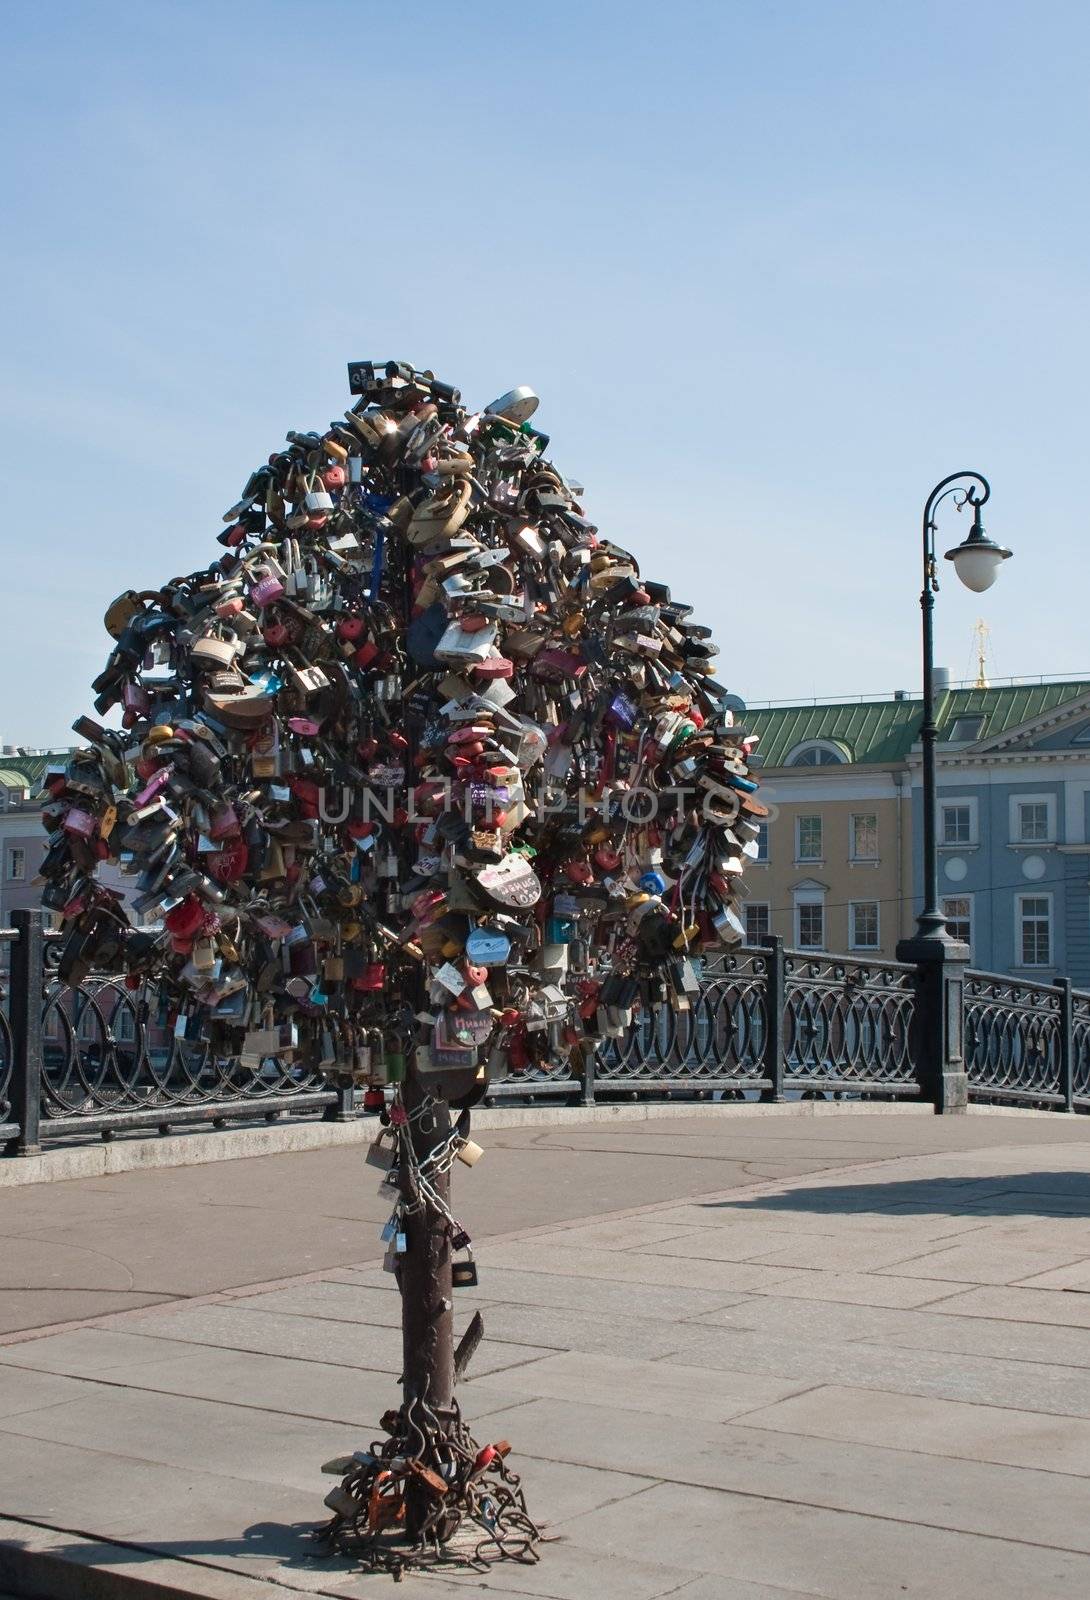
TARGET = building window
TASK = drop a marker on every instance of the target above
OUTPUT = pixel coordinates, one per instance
(958, 911)
(16, 864)
(1033, 819)
(966, 729)
(1034, 929)
(865, 837)
(758, 920)
(816, 753)
(808, 839)
(863, 924)
(957, 824)
(762, 841)
(810, 919)
(1032, 822)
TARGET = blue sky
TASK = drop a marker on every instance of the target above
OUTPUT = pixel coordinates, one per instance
(774, 268)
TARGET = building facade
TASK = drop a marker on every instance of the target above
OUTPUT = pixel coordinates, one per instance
(843, 867)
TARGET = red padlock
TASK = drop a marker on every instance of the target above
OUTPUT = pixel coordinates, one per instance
(366, 654)
(607, 858)
(351, 628)
(579, 872)
(276, 634)
(185, 918)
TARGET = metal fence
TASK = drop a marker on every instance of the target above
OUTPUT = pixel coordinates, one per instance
(767, 1023)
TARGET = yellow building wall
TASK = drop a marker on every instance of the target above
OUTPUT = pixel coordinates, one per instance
(836, 797)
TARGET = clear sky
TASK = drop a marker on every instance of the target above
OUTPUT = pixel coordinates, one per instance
(775, 269)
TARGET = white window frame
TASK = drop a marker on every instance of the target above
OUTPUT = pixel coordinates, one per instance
(12, 851)
(825, 746)
(853, 943)
(809, 816)
(852, 856)
(810, 897)
(1016, 802)
(948, 803)
(763, 832)
(1019, 919)
(756, 905)
(968, 899)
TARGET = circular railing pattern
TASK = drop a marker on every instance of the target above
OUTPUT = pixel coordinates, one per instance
(105, 1049)
(849, 1023)
(1012, 1037)
(720, 1039)
(1080, 1048)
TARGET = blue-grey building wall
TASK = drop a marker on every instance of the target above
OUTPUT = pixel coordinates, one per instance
(995, 876)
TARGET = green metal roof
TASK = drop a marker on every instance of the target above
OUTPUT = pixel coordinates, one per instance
(884, 731)
(871, 731)
(26, 772)
(1005, 707)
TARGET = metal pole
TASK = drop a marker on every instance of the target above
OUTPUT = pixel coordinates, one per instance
(931, 924)
(427, 1311)
(27, 996)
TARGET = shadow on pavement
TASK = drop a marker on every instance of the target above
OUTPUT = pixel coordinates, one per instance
(1037, 1194)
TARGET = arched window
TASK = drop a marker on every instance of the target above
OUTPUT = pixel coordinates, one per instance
(817, 753)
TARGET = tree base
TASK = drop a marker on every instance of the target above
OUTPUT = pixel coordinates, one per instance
(428, 1496)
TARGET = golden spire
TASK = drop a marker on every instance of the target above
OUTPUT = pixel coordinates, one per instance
(981, 635)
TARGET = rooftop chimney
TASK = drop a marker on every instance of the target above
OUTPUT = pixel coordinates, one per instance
(940, 677)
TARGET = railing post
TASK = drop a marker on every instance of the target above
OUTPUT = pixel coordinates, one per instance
(589, 1053)
(27, 995)
(775, 1001)
(343, 1109)
(1067, 1044)
(939, 1022)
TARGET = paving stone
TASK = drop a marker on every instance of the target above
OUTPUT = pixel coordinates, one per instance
(374, 1348)
(1075, 1278)
(773, 1221)
(272, 1383)
(935, 1427)
(914, 1330)
(1019, 1305)
(965, 1495)
(562, 1329)
(827, 1553)
(88, 1352)
(506, 1285)
(32, 1391)
(664, 1266)
(627, 1233)
(985, 1261)
(660, 1387)
(193, 1434)
(867, 1364)
(854, 1253)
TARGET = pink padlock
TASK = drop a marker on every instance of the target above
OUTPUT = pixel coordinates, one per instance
(81, 823)
(267, 589)
(224, 823)
(307, 726)
(230, 608)
(154, 786)
(134, 697)
(333, 477)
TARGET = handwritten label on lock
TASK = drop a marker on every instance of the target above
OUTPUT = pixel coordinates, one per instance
(512, 881)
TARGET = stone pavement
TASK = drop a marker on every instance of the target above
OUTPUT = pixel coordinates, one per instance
(739, 1358)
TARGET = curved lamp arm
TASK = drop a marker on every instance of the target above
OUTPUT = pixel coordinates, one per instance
(958, 483)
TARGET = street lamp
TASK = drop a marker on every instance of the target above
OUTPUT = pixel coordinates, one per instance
(976, 561)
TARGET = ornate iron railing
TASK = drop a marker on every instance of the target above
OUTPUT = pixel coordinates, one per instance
(848, 1024)
(718, 1043)
(766, 1023)
(105, 1055)
(1014, 1038)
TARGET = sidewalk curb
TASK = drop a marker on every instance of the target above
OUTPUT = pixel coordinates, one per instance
(203, 1145)
(39, 1562)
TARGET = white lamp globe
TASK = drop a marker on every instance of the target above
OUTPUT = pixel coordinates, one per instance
(977, 561)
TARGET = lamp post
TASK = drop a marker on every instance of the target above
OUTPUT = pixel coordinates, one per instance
(976, 561)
